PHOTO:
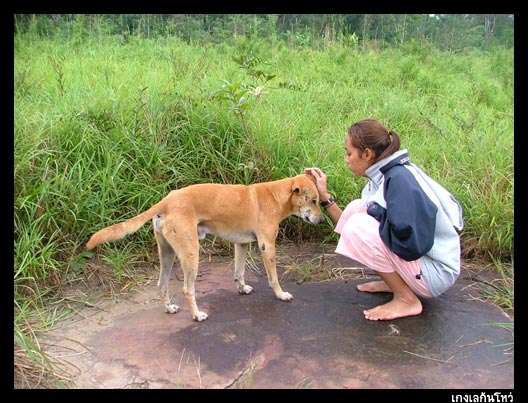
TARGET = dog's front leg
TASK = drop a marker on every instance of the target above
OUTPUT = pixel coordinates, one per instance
(240, 267)
(267, 250)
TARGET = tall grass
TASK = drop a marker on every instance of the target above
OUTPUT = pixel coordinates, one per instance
(103, 130)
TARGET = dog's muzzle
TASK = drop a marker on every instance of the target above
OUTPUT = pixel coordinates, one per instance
(313, 220)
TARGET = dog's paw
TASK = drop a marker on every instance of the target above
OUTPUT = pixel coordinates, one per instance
(285, 296)
(245, 290)
(171, 308)
(200, 317)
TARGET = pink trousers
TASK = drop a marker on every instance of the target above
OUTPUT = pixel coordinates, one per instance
(360, 240)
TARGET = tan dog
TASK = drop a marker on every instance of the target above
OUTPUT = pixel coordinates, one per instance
(237, 213)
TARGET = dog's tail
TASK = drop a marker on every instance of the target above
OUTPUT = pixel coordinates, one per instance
(118, 231)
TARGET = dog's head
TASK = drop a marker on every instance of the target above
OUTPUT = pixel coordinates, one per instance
(305, 199)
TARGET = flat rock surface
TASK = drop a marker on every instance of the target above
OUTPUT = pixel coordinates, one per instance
(318, 340)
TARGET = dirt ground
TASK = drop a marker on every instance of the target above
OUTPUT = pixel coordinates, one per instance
(118, 336)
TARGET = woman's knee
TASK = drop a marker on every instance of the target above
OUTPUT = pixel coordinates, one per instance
(363, 228)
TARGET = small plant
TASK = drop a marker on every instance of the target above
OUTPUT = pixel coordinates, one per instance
(57, 63)
(33, 366)
(501, 291)
(305, 383)
(238, 94)
(509, 347)
(78, 263)
(121, 259)
(310, 271)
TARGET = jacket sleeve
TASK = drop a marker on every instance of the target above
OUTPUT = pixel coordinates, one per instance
(407, 225)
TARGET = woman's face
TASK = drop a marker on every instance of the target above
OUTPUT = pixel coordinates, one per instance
(357, 161)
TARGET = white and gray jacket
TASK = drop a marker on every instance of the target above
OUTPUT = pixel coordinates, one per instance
(419, 219)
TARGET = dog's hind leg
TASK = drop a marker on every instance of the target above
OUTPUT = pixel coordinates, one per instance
(189, 258)
(185, 242)
(240, 266)
(166, 257)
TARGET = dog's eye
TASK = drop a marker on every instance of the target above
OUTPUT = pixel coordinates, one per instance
(314, 201)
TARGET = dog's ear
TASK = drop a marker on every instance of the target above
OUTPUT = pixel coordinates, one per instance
(296, 185)
(311, 177)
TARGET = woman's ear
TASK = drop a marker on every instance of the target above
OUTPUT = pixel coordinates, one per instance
(368, 154)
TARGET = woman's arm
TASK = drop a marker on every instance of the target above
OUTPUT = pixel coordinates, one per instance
(333, 209)
(408, 224)
(334, 212)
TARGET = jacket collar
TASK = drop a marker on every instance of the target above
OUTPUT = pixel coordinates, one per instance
(376, 171)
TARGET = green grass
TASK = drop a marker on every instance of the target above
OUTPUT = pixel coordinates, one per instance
(103, 130)
(501, 290)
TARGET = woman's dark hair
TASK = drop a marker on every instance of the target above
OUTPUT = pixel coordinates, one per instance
(369, 133)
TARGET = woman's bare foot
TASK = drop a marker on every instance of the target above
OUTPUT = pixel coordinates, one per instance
(394, 309)
(374, 286)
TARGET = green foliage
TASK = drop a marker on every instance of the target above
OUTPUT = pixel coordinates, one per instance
(87, 140)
